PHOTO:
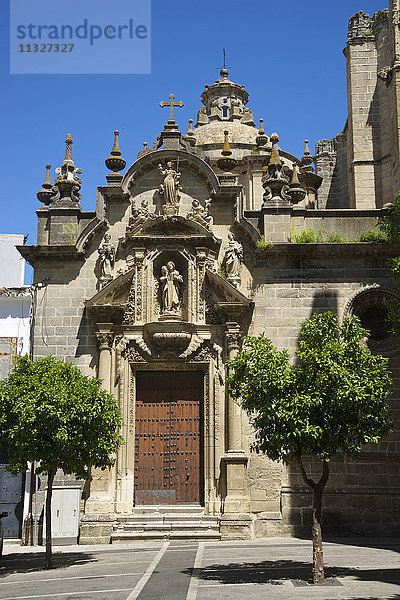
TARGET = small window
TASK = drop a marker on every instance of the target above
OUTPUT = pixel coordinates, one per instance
(225, 112)
(225, 100)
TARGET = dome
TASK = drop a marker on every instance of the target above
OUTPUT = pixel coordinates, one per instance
(213, 133)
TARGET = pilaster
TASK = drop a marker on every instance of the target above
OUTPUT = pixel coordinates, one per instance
(235, 460)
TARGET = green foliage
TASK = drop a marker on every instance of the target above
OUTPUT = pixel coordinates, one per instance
(335, 238)
(310, 236)
(333, 399)
(390, 223)
(306, 236)
(381, 15)
(222, 271)
(50, 412)
(372, 235)
(263, 245)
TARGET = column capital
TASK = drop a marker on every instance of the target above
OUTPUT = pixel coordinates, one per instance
(233, 335)
(105, 335)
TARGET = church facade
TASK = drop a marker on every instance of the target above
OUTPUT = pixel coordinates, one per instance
(198, 244)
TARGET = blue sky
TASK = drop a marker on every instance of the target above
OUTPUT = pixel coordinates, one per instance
(288, 55)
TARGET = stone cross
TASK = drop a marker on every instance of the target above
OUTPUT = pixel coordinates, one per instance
(171, 105)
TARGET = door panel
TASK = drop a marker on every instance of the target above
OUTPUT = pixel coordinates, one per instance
(168, 465)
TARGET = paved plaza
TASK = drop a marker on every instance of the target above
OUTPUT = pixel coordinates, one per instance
(273, 568)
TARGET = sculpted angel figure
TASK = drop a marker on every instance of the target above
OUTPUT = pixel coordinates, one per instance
(170, 279)
(141, 214)
(200, 214)
(170, 186)
(107, 257)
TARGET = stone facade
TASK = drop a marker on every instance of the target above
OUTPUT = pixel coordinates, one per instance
(192, 248)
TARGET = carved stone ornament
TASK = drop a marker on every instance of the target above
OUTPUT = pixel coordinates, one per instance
(171, 340)
(169, 189)
(104, 340)
(200, 214)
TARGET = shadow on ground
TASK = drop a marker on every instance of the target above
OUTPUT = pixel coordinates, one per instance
(384, 543)
(27, 563)
(278, 571)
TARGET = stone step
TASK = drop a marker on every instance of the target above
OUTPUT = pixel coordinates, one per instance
(177, 518)
(191, 509)
(133, 536)
(187, 526)
(166, 523)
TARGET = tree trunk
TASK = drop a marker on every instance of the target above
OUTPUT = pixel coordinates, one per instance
(318, 555)
(49, 558)
(317, 490)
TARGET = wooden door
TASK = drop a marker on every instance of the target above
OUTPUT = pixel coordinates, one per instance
(168, 461)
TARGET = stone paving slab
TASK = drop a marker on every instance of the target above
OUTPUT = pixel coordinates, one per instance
(273, 568)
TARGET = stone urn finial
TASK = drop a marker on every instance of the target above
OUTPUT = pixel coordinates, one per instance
(68, 184)
(47, 192)
(275, 181)
(296, 192)
(115, 162)
(226, 162)
(307, 159)
(262, 138)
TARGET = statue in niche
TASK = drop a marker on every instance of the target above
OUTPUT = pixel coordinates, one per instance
(107, 258)
(232, 261)
(170, 279)
(200, 214)
(170, 189)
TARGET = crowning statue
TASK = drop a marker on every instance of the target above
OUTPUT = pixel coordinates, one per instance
(170, 189)
(170, 279)
(107, 259)
(233, 260)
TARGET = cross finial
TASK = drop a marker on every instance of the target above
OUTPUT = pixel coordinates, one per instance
(171, 105)
(224, 70)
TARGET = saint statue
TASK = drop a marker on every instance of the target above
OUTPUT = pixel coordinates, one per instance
(233, 260)
(107, 258)
(170, 279)
(170, 186)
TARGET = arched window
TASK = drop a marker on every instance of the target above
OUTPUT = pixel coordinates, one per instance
(370, 306)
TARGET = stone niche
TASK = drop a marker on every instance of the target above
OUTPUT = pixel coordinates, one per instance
(181, 265)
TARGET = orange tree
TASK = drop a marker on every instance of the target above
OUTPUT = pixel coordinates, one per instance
(333, 400)
(52, 414)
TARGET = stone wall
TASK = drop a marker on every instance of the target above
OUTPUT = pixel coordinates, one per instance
(361, 496)
(360, 165)
(331, 163)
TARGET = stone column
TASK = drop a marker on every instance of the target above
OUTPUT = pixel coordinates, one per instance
(101, 501)
(236, 500)
(104, 339)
